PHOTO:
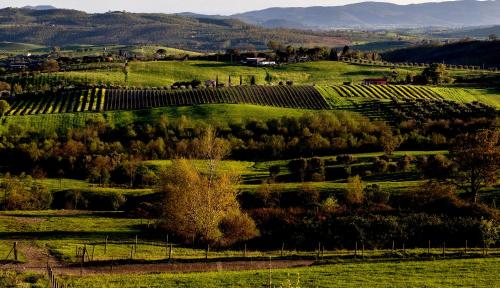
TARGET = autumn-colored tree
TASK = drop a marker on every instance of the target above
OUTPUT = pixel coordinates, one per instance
(355, 191)
(4, 107)
(201, 204)
(51, 66)
(4, 86)
(390, 143)
(477, 159)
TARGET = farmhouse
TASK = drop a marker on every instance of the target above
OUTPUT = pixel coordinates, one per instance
(258, 62)
(375, 81)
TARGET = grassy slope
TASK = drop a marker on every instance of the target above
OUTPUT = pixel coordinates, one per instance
(157, 74)
(444, 273)
(215, 114)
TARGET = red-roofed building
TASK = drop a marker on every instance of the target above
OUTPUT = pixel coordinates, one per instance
(381, 81)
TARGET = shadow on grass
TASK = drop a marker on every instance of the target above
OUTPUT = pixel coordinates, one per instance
(68, 235)
(217, 65)
(69, 214)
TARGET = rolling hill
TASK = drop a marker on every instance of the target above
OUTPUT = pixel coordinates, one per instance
(461, 53)
(63, 27)
(380, 15)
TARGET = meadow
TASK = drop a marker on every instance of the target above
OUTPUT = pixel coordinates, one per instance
(439, 273)
(160, 74)
(165, 73)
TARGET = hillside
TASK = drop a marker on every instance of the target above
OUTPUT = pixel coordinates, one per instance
(473, 32)
(380, 15)
(63, 27)
(462, 53)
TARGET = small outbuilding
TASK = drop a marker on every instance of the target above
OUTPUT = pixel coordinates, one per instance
(375, 81)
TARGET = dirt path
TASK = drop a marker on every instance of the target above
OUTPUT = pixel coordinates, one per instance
(183, 267)
(37, 258)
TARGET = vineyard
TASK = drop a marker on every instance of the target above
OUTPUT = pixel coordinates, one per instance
(100, 99)
(392, 103)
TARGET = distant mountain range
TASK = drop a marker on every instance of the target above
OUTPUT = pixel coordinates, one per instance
(379, 15)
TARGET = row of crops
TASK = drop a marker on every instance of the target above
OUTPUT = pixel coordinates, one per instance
(303, 97)
(387, 92)
(370, 100)
(99, 99)
(67, 101)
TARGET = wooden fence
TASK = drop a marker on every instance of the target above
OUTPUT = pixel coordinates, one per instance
(53, 281)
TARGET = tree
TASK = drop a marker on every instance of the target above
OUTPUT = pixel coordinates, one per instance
(4, 107)
(269, 77)
(334, 55)
(202, 207)
(345, 51)
(4, 86)
(390, 143)
(161, 52)
(274, 45)
(436, 74)
(477, 158)
(126, 71)
(51, 66)
(355, 192)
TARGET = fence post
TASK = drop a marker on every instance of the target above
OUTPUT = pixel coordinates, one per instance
(356, 250)
(282, 248)
(319, 250)
(393, 246)
(444, 248)
(404, 250)
(465, 246)
(106, 245)
(135, 247)
(15, 251)
(170, 253)
(82, 260)
(363, 250)
(132, 252)
(429, 247)
(206, 252)
(245, 251)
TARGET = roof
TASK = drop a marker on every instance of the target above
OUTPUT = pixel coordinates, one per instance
(375, 79)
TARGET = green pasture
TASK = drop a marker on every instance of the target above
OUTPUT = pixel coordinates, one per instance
(165, 73)
(439, 273)
(215, 114)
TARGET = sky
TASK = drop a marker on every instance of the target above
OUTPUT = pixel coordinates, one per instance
(222, 7)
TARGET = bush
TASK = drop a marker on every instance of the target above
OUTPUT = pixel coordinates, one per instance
(380, 166)
(24, 194)
(237, 227)
(375, 195)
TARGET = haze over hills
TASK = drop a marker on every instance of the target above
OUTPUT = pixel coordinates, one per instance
(40, 7)
(380, 15)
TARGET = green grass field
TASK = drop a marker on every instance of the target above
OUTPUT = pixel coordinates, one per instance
(159, 74)
(442, 273)
(215, 114)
